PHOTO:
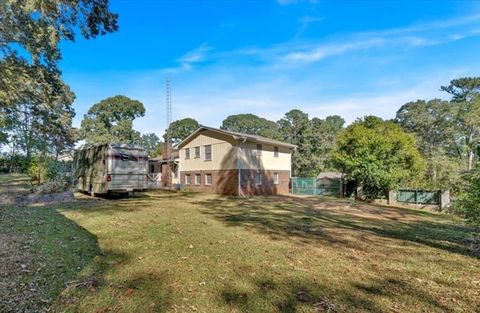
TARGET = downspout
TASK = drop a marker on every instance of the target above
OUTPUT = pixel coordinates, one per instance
(239, 187)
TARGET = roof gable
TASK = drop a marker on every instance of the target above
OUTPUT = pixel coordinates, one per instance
(235, 136)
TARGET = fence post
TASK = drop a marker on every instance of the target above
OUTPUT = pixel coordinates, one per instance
(444, 202)
(392, 197)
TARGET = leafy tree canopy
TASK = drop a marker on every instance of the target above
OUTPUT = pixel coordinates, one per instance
(251, 124)
(111, 120)
(324, 135)
(37, 27)
(180, 129)
(430, 121)
(378, 155)
(295, 128)
(152, 144)
(463, 89)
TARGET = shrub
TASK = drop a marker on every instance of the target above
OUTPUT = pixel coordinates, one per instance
(42, 169)
(53, 186)
(467, 203)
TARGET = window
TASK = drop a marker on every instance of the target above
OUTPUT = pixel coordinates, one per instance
(258, 179)
(197, 179)
(259, 149)
(208, 152)
(187, 153)
(275, 178)
(197, 152)
(275, 152)
(152, 168)
(187, 179)
(208, 179)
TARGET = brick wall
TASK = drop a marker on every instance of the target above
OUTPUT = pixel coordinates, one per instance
(226, 182)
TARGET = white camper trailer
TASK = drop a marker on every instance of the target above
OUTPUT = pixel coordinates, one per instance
(100, 169)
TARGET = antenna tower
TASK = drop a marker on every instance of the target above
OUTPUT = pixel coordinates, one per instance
(168, 143)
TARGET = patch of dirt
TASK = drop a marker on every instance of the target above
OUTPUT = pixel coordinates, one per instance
(18, 261)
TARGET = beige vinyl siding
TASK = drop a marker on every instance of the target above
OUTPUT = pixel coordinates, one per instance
(267, 160)
(223, 152)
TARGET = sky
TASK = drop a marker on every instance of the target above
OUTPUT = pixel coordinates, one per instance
(347, 58)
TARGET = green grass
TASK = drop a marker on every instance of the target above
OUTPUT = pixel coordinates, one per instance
(15, 184)
(186, 252)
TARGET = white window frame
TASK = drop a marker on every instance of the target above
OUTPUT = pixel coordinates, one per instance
(259, 151)
(187, 179)
(187, 153)
(195, 149)
(276, 153)
(199, 182)
(258, 179)
(206, 179)
(205, 152)
(275, 178)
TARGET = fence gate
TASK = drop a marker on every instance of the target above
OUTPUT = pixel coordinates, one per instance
(314, 187)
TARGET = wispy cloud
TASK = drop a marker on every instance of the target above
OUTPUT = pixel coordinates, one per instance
(196, 55)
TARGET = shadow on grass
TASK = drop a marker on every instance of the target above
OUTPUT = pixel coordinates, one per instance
(112, 204)
(304, 294)
(311, 220)
(47, 251)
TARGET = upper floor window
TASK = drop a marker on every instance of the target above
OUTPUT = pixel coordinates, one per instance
(187, 153)
(275, 152)
(208, 152)
(259, 149)
(197, 152)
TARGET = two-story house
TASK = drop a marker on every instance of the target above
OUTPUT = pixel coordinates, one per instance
(225, 162)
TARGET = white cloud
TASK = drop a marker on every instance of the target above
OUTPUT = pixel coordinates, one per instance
(195, 56)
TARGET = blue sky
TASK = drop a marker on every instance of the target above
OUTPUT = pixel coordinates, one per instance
(267, 57)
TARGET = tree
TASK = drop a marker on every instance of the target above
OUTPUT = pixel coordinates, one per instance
(296, 129)
(251, 124)
(152, 144)
(324, 135)
(35, 104)
(41, 121)
(181, 129)
(37, 27)
(378, 155)
(463, 89)
(467, 202)
(111, 120)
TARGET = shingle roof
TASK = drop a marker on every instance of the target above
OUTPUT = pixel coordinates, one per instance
(236, 135)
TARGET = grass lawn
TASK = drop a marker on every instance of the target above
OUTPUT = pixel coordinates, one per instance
(15, 184)
(187, 252)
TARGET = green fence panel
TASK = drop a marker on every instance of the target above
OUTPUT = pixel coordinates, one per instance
(418, 196)
(313, 187)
